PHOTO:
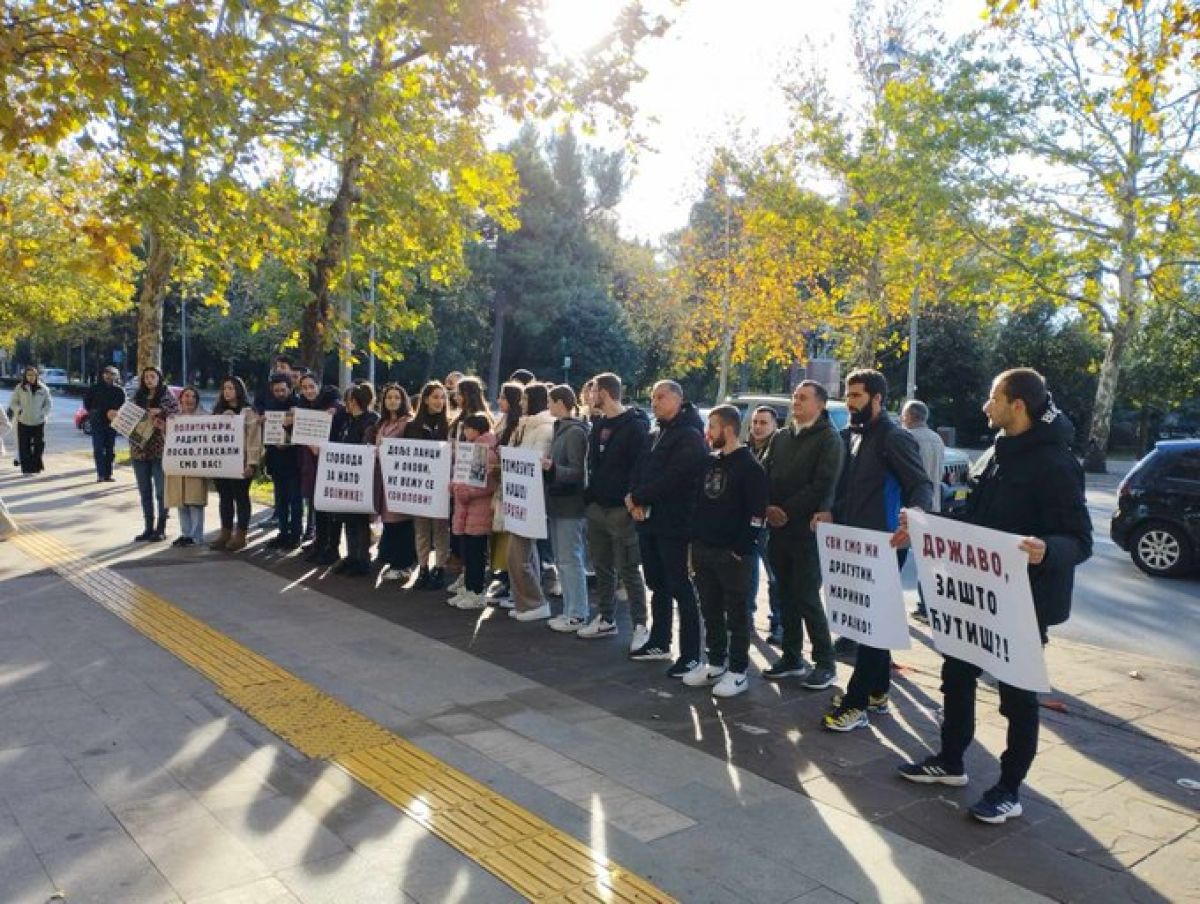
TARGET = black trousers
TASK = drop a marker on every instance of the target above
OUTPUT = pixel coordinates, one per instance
(233, 495)
(665, 564)
(31, 443)
(872, 667)
(474, 553)
(723, 583)
(398, 545)
(358, 537)
(797, 567)
(1017, 705)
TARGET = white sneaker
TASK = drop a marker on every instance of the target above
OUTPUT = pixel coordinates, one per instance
(457, 598)
(566, 624)
(393, 575)
(460, 584)
(704, 675)
(469, 600)
(641, 637)
(731, 684)
(596, 628)
(542, 611)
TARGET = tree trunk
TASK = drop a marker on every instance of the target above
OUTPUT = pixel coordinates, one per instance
(314, 332)
(726, 355)
(156, 277)
(500, 312)
(1095, 459)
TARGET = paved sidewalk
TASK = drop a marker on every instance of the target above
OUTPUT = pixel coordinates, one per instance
(124, 777)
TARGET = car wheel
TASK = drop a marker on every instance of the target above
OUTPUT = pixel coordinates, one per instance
(1161, 550)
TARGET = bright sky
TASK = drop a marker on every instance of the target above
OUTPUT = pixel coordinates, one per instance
(716, 73)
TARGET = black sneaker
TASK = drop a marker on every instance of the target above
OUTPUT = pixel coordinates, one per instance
(932, 771)
(821, 677)
(787, 668)
(997, 806)
(682, 667)
(650, 653)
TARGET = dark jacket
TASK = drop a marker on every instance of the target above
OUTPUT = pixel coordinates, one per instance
(731, 502)
(802, 474)
(883, 474)
(102, 398)
(1032, 485)
(419, 428)
(281, 461)
(614, 447)
(360, 430)
(567, 475)
(666, 474)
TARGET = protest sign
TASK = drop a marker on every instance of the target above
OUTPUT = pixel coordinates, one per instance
(976, 584)
(471, 464)
(205, 445)
(416, 477)
(274, 431)
(864, 598)
(310, 427)
(345, 479)
(524, 495)
(128, 416)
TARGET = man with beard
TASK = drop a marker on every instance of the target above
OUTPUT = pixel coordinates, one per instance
(661, 500)
(883, 473)
(1029, 483)
(764, 423)
(730, 508)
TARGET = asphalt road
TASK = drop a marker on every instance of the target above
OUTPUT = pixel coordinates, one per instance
(1116, 606)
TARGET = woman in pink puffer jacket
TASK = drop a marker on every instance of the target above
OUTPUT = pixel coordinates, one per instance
(473, 516)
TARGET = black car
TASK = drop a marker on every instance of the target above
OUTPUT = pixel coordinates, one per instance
(1158, 509)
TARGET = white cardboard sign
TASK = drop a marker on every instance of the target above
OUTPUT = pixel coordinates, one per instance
(976, 584)
(205, 445)
(274, 431)
(128, 416)
(310, 427)
(345, 479)
(860, 576)
(524, 494)
(416, 477)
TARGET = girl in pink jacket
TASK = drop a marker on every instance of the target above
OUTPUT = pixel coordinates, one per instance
(473, 515)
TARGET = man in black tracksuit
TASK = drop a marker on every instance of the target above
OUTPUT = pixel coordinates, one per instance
(615, 444)
(731, 505)
(283, 465)
(661, 500)
(803, 465)
(1029, 483)
(883, 474)
(103, 401)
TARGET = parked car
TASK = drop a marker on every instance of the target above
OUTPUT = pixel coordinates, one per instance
(1157, 520)
(955, 466)
(55, 377)
(747, 402)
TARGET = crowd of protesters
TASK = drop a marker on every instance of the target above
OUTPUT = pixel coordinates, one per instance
(676, 515)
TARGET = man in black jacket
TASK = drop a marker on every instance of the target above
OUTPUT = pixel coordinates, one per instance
(103, 401)
(661, 502)
(1028, 483)
(614, 446)
(803, 465)
(283, 465)
(731, 506)
(883, 473)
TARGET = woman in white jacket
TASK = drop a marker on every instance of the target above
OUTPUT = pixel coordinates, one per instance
(536, 432)
(31, 409)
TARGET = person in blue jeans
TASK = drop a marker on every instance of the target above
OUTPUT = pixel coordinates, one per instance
(102, 403)
(156, 398)
(763, 423)
(565, 470)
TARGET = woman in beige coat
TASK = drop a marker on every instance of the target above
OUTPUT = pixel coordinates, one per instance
(188, 494)
(234, 493)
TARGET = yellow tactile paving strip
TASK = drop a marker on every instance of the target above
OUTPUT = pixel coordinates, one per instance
(523, 850)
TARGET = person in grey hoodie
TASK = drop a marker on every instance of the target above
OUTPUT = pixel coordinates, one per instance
(31, 409)
(565, 470)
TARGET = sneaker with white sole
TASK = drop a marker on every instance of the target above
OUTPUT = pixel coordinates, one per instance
(458, 586)
(567, 624)
(932, 770)
(997, 806)
(704, 675)
(845, 720)
(731, 684)
(541, 612)
(682, 667)
(598, 627)
(393, 575)
(469, 600)
(650, 653)
(641, 637)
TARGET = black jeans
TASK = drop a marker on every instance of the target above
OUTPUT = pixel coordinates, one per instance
(289, 503)
(872, 667)
(358, 537)
(104, 439)
(398, 545)
(31, 443)
(233, 494)
(1017, 705)
(723, 583)
(474, 553)
(665, 563)
(797, 568)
